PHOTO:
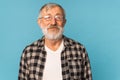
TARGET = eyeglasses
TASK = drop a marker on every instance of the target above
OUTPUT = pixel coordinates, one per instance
(56, 17)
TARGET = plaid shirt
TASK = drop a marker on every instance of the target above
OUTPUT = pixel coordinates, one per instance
(74, 61)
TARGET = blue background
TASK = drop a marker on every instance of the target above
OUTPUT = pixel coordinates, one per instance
(94, 23)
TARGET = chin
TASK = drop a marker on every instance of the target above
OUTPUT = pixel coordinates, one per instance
(53, 36)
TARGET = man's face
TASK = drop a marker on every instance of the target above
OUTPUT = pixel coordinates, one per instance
(52, 22)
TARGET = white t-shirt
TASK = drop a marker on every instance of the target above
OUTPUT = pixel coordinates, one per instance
(53, 69)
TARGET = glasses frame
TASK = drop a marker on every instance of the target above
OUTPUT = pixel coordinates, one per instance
(56, 17)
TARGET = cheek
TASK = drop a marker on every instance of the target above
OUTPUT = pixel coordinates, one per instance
(59, 24)
(62, 25)
(44, 24)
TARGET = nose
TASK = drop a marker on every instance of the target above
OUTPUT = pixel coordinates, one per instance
(53, 21)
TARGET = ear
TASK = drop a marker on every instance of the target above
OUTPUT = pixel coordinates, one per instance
(39, 22)
(64, 22)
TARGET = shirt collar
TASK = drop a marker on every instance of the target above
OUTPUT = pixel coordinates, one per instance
(67, 42)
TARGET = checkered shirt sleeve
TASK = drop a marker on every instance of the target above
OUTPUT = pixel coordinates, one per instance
(23, 71)
(32, 62)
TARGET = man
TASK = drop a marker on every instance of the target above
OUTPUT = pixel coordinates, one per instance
(54, 56)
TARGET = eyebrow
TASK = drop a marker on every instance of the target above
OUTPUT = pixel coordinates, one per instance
(56, 14)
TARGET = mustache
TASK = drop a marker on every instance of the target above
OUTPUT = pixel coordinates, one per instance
(51, 26)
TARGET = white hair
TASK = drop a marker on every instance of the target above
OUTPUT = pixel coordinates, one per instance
(49, 6)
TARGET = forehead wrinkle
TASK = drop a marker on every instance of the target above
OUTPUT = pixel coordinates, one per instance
(49, 7)
(46, 11)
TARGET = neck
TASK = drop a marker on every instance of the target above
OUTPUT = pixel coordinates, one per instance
(53, 44)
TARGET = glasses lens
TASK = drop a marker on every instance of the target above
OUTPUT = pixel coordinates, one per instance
(49, 18)
(59, 18)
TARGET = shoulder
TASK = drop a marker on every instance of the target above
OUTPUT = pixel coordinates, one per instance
(74, 45)
(33, 47)
(72, 42)
(74, 49)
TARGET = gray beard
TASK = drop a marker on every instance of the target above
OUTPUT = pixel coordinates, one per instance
(53, 36)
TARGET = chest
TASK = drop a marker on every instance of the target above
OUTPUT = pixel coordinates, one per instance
(70, 61)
